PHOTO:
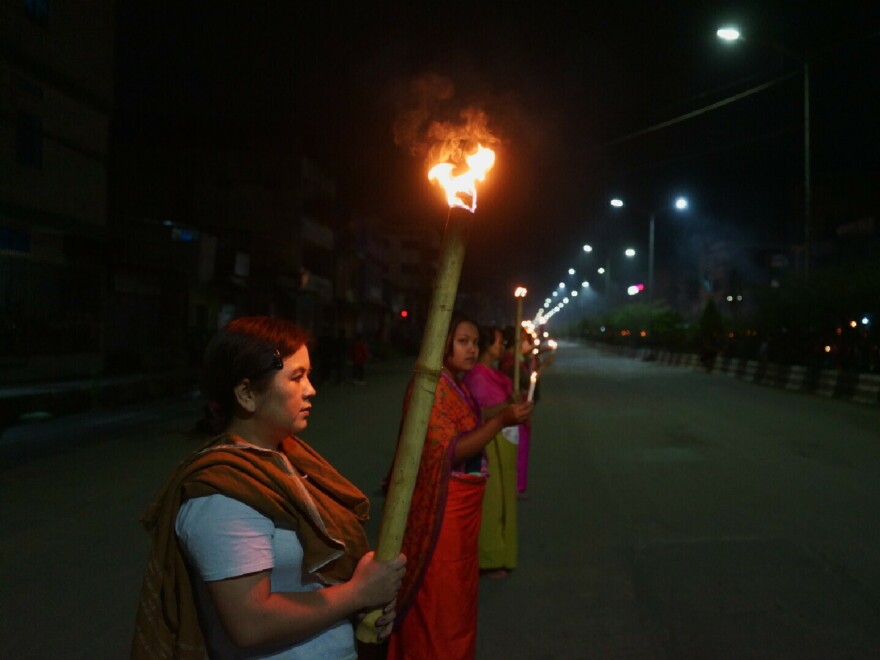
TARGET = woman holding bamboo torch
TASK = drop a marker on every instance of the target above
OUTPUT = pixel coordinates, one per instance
(259, 549)
(437, 604)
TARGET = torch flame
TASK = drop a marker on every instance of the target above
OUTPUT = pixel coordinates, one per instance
(461, 187)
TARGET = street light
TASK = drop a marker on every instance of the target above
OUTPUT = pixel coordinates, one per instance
(731, 34)
(681, 203)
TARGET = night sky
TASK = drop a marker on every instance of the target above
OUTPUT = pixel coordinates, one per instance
(567, 89)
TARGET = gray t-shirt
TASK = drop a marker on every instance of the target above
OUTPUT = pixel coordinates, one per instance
(223, 538)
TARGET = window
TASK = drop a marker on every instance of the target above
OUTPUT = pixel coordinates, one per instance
(29, 141)
(37, 10)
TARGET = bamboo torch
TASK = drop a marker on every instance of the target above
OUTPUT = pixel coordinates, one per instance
(519, 294)
(459, 188)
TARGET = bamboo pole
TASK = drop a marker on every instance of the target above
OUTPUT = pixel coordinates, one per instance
(517, 340)
(415, 423)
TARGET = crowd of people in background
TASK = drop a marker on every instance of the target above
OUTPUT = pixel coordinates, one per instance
(259, 548)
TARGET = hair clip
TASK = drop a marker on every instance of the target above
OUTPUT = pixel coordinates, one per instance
(277, 362)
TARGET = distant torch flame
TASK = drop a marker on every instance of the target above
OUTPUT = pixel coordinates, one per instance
(461, 189)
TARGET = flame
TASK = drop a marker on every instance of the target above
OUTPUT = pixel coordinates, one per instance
(460, 187)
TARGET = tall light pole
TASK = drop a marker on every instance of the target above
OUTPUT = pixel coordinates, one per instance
(681, 204)
(731, 34)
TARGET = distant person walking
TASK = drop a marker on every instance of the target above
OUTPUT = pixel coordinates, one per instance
(340, 355)
(360, 354)
(324, 357)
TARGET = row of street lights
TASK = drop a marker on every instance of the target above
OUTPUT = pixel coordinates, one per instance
(729, 34)
(551, 307)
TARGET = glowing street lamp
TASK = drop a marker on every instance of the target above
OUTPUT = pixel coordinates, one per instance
(635, 289)
(731, 35)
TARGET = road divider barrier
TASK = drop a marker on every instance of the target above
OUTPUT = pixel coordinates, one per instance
(867, 389)
(826, 383)
(830, 383)
(797, 377)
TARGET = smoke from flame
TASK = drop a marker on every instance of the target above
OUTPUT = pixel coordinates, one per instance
(431, 127)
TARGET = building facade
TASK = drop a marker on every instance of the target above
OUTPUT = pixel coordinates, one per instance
(56, 76)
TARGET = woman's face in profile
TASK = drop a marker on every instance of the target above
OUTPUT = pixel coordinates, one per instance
(283, 408)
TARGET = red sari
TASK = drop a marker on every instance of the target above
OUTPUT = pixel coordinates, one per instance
(437, 604)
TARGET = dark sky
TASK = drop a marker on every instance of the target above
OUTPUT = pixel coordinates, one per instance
(561, 86)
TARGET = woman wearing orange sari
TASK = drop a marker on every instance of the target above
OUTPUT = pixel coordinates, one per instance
(437, 604)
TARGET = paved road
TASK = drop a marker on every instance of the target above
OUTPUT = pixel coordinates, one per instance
(673, 514)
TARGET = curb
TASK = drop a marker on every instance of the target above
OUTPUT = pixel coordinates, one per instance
(55, 399)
